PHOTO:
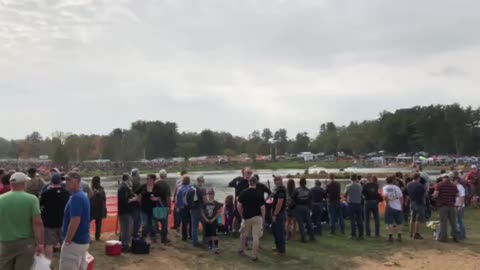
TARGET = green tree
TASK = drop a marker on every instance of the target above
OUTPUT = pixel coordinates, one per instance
(302, 142)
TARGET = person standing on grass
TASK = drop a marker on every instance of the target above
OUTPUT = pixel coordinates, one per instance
(302, 198)
(98, 203)
(335, 210)
(184, 208)
(135, 183)
(318, 198)
(164, 194)
(251, 207)
(372, 198)
(291, 222)
(393, 212)
(52, 204)
(228, 213)
(279, 216)
(5, 184)
(35, 185)
(460, 208)
(416, 193)
(211, 210)
(177, 219)
(240, 184)
(21, 229)
(76, 226)
(195, 198)
(353, 193)
(148, 202)
(125, 200)
(446, 194)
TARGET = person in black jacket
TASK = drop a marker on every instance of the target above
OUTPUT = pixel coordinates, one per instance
(98, 207)
(126, 199)
(302, 197)
(319, 197)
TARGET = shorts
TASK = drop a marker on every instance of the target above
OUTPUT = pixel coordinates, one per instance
(53, 236)
(417, 212)
(252, 226)
(393, 216)
(211, 229)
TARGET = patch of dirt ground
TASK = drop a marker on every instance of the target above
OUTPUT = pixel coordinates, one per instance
(424, 259)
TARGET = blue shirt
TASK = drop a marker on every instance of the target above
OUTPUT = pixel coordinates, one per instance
(78, 206)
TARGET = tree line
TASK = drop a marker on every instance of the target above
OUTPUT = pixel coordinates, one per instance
(440, 129)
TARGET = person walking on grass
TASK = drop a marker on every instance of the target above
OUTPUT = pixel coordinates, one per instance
(98, 203)
(393, 212)
(21, 229)
(291, 222)
(446, 194)
(372, 199)
(335, 210)
(251, 208)
(353, 193)
(52, 204)
(279, 216)
(302, 197)
(211, 210)
(416, 192)
(76, 226)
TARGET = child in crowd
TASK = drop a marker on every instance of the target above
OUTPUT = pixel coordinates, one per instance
(228, 213)
(211, 210)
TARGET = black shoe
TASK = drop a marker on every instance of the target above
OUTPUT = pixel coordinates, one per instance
(418, 237)
(165, 241)
(399, 238)
(361, 238)
(455, 240)
(126, 250)
(390, 239)
(312, 239)
(254, 259)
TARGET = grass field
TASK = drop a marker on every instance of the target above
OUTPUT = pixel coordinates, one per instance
(328, 252)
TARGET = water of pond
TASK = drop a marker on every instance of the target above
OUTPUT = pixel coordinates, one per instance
(219, 179)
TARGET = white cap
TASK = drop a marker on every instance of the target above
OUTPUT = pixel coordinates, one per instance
(18, 178)
(474, 167)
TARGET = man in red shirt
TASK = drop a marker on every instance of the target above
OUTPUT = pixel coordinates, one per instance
(5, 184)
(446, 194)
(473, 180)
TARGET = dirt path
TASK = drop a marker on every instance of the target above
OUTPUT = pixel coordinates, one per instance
(425, 260)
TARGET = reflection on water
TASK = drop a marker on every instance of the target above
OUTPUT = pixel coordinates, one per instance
(219, 179)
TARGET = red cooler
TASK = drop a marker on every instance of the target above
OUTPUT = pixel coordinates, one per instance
(113, 248)
(90, 261)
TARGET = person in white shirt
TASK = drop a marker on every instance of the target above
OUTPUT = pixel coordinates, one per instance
(460, 208)
(393, 213)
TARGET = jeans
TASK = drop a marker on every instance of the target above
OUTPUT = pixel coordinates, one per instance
(356, 219)
(98, 228)
(125, 229)
(278, 230)
(196, 218)
(164, 230)
(372, 207)
(302, 214)
(149, 229)
(335, 213)
(186, 223)
(317, 214)
(137, 221)
(460, 224)
(447, 215)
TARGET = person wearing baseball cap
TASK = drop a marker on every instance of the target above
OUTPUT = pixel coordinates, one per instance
(21, 233)
(76, 226)
(53, 202)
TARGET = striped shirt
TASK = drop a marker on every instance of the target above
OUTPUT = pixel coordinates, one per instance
(447, 194)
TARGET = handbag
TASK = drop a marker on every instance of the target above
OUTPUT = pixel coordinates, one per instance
(139, 246)
(160, 212)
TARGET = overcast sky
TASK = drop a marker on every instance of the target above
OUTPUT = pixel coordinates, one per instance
(88, 66)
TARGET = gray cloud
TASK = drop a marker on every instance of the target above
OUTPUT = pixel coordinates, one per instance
(231, 65)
